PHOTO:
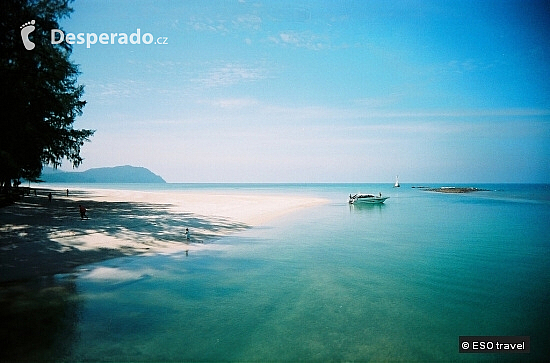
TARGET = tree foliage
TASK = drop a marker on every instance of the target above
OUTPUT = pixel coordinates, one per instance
(39, 92)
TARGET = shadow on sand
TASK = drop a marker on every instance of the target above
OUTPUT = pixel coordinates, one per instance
(26, 228)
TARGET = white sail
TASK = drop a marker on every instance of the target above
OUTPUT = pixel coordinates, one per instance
(396, 185)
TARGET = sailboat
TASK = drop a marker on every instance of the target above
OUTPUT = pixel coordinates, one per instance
(396, 185)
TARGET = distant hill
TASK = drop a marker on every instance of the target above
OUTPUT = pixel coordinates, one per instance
(117, 174)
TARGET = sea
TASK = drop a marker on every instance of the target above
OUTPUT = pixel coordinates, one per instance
(401, 281)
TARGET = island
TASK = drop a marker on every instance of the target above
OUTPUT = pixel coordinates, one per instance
(117, 174)
(456, 190)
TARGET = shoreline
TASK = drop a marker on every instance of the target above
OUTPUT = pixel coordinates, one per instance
(40, 238)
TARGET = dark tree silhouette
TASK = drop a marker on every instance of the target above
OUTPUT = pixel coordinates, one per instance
(39, 93)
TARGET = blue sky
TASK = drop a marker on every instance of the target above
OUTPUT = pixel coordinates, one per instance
(319, 91)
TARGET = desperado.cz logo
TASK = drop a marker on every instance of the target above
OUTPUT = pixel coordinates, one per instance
(26, 29)
(57, 36)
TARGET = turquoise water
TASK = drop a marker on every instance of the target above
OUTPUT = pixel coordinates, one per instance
(394, 282)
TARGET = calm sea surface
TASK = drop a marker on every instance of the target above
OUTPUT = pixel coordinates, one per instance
(394, 282)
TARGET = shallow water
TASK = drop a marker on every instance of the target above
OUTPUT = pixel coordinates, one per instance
(399, 282)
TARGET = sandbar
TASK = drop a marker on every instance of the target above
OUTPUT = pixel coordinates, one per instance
(39, 237)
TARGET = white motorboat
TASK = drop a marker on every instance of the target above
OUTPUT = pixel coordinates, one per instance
(367, 199)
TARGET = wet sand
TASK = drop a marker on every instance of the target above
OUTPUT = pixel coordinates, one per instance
(39, 237)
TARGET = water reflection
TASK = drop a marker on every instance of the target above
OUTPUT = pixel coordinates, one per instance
(39, 319)
(365, 207)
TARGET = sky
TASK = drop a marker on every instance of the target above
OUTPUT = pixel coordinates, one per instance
(317, 91)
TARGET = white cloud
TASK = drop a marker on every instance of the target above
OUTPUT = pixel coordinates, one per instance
(111, 92)
(247, 22)
(306, 40)
(208, 24)
(230, 74)
(235, 102)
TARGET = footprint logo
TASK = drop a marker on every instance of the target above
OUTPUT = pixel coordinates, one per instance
(26, 29)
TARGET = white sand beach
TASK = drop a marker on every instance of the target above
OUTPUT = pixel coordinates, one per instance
(39, 237)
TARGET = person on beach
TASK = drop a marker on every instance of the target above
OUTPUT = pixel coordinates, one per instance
(50, 196)
(82, 212)
(187, 234)
(67, 192)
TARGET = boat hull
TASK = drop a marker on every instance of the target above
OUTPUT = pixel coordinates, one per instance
(367, 200)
